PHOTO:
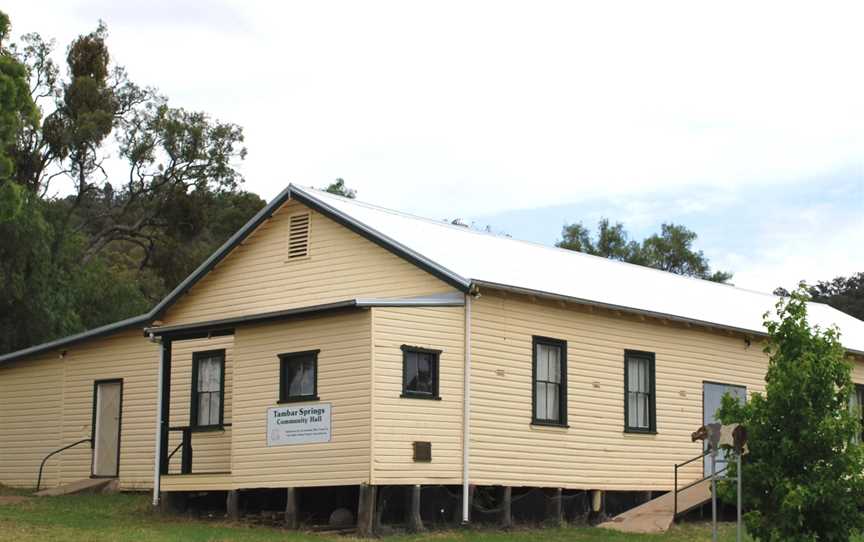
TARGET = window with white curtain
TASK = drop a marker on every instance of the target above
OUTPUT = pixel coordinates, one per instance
(208, 373)
(639, 392)
(550, 381)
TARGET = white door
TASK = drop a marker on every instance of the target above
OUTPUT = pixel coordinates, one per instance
(712, 398)
(106, 428)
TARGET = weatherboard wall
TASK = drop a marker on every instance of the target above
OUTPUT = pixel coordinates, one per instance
(594, 452)
(344, 381)
(46, 402)
(258, 277)
(398, 422)
(30, 425)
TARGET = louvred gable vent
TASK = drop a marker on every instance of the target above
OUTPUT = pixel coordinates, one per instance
(298, 236)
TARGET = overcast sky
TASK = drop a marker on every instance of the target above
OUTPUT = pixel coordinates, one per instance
(743, 121)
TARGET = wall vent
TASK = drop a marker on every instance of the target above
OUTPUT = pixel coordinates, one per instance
(422, 451)
(298, 236)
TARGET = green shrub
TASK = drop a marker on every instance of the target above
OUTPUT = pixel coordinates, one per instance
(804, 476)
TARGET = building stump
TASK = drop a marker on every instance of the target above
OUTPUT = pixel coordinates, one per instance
(291, 520)
(232, 505)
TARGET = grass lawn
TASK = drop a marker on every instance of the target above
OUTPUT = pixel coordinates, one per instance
(122, 517)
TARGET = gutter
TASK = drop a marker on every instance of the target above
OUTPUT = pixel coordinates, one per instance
(631, 310)
(69, 340)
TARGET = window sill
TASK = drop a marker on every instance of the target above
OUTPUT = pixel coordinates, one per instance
(207, 428)
(304, 399)
(631, 431)
(553, 425)
(420, 396)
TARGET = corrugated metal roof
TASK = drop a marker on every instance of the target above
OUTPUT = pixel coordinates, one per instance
(481, 257)
(461, 256)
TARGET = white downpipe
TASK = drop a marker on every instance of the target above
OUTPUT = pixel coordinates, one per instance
(466, 415)
(156, 466)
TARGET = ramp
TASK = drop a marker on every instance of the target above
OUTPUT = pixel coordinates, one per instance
(656, 515)
(87, 485)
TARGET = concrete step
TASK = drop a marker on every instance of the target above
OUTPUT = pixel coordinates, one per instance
(656, 515)
(87, 485)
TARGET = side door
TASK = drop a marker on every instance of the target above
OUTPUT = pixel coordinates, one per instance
(712, 398)
(107, 409)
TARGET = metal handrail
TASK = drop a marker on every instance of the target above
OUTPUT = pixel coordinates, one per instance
(47, 457)
(175, 451)
(676, 491)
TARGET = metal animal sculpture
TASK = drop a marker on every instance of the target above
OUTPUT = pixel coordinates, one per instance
(722, 436)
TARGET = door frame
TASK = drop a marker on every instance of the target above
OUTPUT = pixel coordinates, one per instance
(96, 384)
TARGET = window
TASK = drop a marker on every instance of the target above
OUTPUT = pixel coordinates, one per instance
(298, 376)
(420, 372)
(550, 382)
(208, 388)
(639, 403)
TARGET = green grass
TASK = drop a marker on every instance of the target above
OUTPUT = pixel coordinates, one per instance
(123, 517)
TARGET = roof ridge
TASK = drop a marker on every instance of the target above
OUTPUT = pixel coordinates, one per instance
(466, 229)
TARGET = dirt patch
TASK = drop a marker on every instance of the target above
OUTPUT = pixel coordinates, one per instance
(12, 499)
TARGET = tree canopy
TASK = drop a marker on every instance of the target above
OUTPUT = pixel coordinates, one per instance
(670, 250)
(339, 188)
(109, 196)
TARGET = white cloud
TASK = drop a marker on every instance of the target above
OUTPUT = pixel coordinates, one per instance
(471, 103)
(468, 108)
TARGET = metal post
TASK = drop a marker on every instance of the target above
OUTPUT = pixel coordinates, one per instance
(675, 495)
(186, 456)
(738, 472)
(714, 495)
(163, 404)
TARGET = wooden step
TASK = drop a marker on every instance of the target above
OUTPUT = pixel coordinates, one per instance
(656, 515)
(87, 485)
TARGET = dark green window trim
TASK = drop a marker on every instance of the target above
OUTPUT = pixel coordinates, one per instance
(562, 386)
(652, 391)
(193, 410)
(284, 361)
(436, 373)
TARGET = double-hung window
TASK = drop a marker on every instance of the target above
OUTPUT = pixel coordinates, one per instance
(208, 388)
(549, 382)
(420, 368)
(639, 394)
(298, 376)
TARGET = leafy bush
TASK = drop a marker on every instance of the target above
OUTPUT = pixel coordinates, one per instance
(804, 476)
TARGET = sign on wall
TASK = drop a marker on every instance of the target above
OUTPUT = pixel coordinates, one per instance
(298, 424)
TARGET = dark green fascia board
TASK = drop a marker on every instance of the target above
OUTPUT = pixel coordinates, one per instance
(311, 201)
(135, 321)
(220, 254)
(225, 326)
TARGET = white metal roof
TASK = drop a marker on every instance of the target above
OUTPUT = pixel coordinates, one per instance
(486, 258)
